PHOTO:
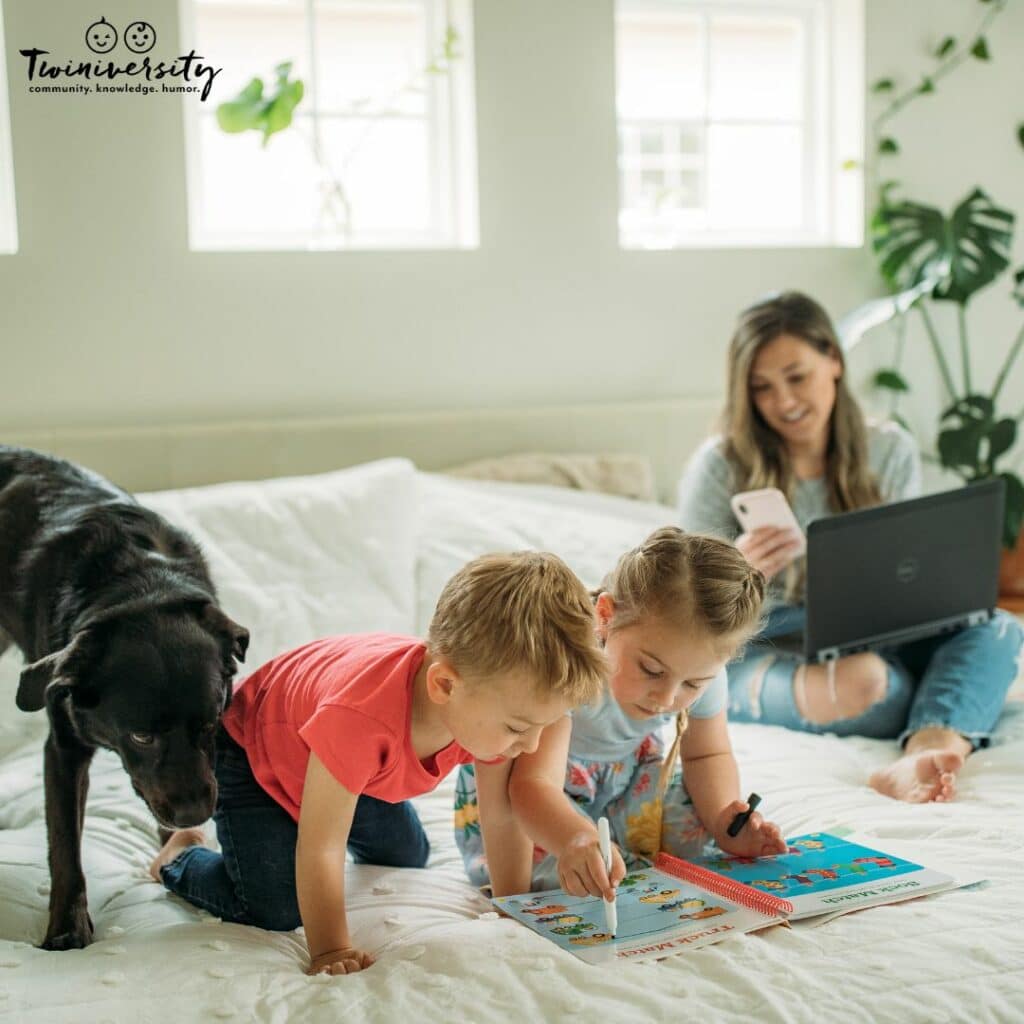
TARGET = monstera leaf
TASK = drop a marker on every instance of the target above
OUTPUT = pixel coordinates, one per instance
(252, 110)
(967, 250)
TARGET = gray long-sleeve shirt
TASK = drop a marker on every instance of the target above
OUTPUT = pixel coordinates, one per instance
(709, 481)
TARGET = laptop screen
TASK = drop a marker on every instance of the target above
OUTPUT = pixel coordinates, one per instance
(889, 574)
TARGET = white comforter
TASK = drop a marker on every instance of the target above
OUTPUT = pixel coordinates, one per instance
(369, 548)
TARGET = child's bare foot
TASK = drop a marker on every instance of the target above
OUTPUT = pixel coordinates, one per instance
(920, 776)
(180, 840)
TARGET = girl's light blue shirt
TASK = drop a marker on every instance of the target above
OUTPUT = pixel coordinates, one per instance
(603, 732)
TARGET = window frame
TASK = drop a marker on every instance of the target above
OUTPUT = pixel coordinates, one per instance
(451, 130)
(8, 200)
(833, 120)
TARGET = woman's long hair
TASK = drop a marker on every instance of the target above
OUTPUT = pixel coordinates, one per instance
(757, 454)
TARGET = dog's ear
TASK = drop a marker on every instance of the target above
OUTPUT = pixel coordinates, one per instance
(58, 671)
(220, 625)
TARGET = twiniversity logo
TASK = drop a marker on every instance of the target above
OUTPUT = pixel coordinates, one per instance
(102, 38)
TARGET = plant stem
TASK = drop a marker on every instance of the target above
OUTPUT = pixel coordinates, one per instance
(897, 357)
(1011, 358)
(945, 67)
(937, 349)
(961, 320)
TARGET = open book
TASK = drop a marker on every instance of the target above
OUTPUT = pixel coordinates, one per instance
(658, 914)
(678, 904)
(821, 874)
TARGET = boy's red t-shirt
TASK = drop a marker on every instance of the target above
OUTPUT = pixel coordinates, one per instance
(349, 699)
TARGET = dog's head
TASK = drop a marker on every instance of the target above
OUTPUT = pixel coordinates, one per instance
(151, 685)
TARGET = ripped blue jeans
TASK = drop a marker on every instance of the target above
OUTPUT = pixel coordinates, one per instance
(956, 681)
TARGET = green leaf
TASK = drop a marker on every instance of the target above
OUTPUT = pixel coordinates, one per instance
(971, 408)
(947, 44)
(960, 447)
(243, 112)
(890, 379)
(966, 251)
(1018, 291)
(1001, 438)
(927, 85)
(1013, 516)
(886, 187)
(1020, 133)
(253, 109)
(883, 85)
(451, 41)
(888, 145)
(980, 49)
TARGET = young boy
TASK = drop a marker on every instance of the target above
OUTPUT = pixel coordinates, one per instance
(322, 746)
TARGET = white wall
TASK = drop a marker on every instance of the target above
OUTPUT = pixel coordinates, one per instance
(107, 318)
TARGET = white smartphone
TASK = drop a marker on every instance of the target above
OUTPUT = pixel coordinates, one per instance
(766, 507)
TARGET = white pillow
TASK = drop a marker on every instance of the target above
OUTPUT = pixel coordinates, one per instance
(293, 559)
(298, 558)
(461, 519)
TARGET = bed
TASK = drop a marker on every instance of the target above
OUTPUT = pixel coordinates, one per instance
(369, 547)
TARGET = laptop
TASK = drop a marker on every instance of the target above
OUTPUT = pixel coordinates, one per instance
(888, 575)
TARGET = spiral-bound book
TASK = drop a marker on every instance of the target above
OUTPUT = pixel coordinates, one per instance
(822, 874)
(677, 905)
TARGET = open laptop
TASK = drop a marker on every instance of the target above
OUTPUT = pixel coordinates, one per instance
(896, 573)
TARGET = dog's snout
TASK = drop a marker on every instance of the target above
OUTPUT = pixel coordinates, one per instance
(195, 812)
(188, 808)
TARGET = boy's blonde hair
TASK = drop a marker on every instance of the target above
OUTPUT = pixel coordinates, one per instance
(526, 612)
(689, 580)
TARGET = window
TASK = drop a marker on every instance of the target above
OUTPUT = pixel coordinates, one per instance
(381, 151)
(8, 214)
(740, 123)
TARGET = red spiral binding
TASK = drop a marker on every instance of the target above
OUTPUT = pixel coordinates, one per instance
(737, 892)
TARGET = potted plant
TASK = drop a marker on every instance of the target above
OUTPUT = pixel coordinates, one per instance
(926, 258)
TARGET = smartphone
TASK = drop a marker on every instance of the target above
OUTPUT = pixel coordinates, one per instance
(766, 507)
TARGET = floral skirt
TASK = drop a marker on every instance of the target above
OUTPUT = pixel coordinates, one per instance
(626, 792)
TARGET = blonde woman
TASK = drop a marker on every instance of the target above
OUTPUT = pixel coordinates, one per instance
(791, 422)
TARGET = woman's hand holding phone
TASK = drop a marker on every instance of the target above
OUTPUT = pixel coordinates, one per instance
(771, 536)
(771, 548)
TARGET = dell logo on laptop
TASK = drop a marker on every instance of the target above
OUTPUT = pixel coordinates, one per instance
(907, 570)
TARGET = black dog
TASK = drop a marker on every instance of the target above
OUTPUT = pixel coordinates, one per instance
(115, 613)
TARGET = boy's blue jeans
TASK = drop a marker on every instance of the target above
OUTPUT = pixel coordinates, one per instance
(252, 879)
(956, 681)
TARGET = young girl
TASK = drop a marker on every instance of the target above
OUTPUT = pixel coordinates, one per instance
(791, 422)
(670, 615)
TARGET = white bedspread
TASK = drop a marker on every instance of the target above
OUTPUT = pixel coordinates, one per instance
(958, 956)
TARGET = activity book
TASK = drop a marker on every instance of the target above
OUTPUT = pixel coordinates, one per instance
(677, 904)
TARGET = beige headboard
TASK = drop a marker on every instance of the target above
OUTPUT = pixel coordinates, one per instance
(156, 458)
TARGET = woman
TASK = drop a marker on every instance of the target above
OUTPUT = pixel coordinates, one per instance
(791, 422)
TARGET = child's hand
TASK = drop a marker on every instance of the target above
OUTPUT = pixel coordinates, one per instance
(581, 868)
(346, 960)
(757, 838)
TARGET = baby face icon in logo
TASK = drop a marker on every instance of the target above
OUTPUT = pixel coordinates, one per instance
(101, 36)
(140, 37)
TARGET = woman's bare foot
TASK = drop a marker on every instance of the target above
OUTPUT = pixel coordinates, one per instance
(927, 770)
(180, 840)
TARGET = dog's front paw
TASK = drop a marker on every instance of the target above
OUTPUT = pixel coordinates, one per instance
(74, 932)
